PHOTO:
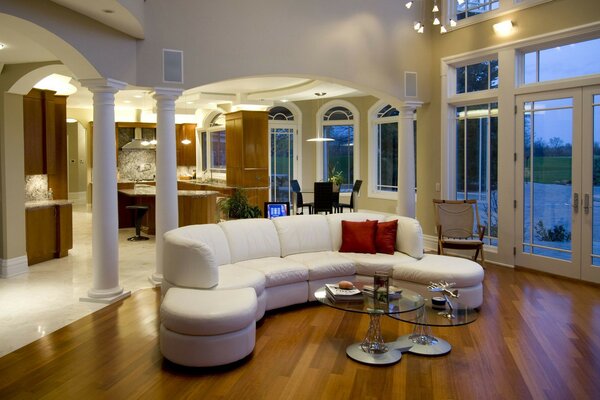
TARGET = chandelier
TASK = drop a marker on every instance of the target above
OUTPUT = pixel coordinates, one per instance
(437, 16)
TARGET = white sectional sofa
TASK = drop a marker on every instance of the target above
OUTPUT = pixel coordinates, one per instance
(286, 259)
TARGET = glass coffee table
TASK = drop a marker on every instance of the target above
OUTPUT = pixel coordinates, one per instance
(373, 349)
(421, 341)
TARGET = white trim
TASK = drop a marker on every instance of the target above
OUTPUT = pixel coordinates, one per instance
(319, 126)
(372, 191)
(13, 266)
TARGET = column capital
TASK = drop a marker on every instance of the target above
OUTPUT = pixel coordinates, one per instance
(166, 93)
(99, 85)
(407, 108)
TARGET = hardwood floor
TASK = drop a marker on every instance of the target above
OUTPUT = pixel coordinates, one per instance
(537, 337)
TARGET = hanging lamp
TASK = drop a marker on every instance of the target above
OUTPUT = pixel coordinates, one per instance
(319, 137)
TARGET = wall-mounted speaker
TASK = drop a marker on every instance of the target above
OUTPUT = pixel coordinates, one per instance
(410, 84)
(172, 66)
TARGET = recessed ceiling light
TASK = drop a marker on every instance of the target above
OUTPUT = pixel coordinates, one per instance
(108, 11)
(126, 101)
(138, 96)
(2, 45)
(189, 102)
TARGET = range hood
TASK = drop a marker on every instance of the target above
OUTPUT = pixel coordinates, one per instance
(138, 144)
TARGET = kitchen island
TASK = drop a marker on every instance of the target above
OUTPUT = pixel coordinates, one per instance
(195, 206)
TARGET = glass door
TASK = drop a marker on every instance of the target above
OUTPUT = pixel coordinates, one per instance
(548, 184)
(282, 162)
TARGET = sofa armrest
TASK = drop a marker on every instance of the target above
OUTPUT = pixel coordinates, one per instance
(188, 262)
(409, 238)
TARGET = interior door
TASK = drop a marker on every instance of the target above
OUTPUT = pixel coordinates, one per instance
(548, 182)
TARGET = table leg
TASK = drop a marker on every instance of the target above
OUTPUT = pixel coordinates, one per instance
(373, 350)
(421, 341)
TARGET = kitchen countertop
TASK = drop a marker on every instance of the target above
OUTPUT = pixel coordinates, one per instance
(46, 203)
(150, 191)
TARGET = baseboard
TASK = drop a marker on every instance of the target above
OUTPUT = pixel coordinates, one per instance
(13, 267)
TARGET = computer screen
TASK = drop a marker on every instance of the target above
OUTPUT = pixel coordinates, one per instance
(274, 209)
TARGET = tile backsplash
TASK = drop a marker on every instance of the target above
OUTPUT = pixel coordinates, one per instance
(136, 165)
(36, 187)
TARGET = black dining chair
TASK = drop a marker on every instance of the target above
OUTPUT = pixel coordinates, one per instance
(355, 189)
(300, 204)
(323, 197)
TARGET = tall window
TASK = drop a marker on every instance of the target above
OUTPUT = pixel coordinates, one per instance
(386, 123)
(477, 162)
(477, 77)
(470, 8)
(561, 62)
(338, 155)
(213, 145)
(282, 128)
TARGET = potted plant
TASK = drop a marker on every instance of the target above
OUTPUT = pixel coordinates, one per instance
(237, 206)
(337, 178)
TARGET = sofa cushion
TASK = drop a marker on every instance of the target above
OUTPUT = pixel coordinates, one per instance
(251, 238)
(306, 234)
(385, 236)
(335, 224)
(358, 237)
(324, 264)
(235, 277)
(435, 268)
(188, 262)
(213, 236)
(409, 238)
(368, 264)
(278, 271)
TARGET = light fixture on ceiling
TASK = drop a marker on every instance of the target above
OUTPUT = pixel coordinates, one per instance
(408, 4)
(438, 17)
(186, 141)
(320, 137)
(2, 45)
(503, 28)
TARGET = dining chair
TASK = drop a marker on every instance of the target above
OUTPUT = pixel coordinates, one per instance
(323, 197)
(300, 204)
(355, 189)
(455, 222)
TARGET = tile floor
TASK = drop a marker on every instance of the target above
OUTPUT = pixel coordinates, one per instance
(47, 297)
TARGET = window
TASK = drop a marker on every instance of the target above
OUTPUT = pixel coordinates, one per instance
(477, 162)
(282, 128)
(213, 144)
(477, 77)
(386, 131)
(338, 155)
(470, 8)
(561, 62)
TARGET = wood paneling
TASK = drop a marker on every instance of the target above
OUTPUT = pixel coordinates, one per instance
(33, 126)
(65, 230)
(49, 232)
(537, 337)
(58, 173)
(186, 153)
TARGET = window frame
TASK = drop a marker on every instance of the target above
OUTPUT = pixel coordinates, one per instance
(374, 150)
(216, 173)
(319, 123)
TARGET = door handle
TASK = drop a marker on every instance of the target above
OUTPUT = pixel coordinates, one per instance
(576, 202)
(586, 203)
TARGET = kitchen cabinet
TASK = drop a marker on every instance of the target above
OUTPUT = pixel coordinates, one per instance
(186, 152)
(247, 153)
(45, 138)
(49, 230)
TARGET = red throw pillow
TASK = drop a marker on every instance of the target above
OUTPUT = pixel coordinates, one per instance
(385, 238)
(358, 237)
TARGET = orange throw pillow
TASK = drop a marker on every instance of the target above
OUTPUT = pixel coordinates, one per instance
(358, 237)
(385, 238)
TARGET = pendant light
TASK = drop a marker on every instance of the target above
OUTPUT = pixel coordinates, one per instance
(319, 137)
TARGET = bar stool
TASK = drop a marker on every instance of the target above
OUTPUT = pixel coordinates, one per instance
(138, 214)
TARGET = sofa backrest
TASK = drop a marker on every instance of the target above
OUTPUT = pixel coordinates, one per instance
(188, 262)
(213, 236)
(251, 238)
(303, 234)
(335, 224)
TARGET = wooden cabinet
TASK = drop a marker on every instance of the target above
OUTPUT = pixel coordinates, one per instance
(45, 130)
(247, 153)
(186, 144)
(49, 232)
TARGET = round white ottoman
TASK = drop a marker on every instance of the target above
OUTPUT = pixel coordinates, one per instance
(201, 328)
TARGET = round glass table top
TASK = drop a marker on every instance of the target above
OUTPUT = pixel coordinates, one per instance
(405, 302)
(443, 316)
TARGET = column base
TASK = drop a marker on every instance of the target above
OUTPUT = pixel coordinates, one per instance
(155, 279)
(106, 296)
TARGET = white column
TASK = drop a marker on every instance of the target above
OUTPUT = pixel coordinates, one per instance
(406, 160)
(105, 218)
(167, 217)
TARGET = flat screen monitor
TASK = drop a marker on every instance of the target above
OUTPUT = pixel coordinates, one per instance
(274, 209)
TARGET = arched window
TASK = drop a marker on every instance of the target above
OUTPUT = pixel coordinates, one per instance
(213, 144)
(339, 122)
(283, 130)
(385, 135)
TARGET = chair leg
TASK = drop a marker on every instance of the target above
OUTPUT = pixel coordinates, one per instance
(482, 257)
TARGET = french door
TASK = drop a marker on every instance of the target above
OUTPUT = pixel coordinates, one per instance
(558, 182)
(282, 145)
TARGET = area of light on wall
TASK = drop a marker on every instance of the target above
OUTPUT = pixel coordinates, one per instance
(57, 83)
(503, 28)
